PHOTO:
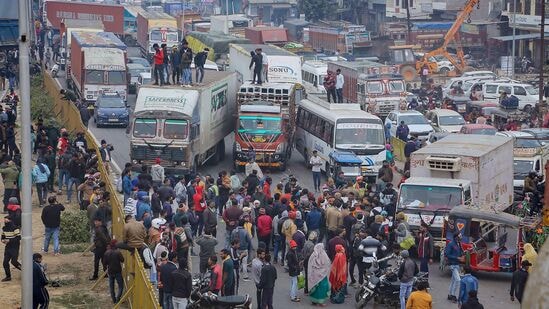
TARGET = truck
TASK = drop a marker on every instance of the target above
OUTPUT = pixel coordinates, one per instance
(155, 28)
(9, 31)
(527, 160)
(267, 35)
(66, 30)
(97, 65)
(381, 91)
(112, 15)
(184, 127)
(283, 66)
(460, 169)
(265, 124)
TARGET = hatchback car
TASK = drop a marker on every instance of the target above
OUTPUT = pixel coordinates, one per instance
(446, 120)
(416, 122)
(110, 110)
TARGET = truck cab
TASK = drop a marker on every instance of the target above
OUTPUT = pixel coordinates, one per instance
(381, 94)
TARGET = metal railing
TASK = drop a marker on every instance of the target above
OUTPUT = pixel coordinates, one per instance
(139, 292)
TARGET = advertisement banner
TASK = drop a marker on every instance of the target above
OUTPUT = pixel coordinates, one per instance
(284, 69)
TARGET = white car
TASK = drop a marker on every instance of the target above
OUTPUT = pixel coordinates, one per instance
(417, 123)
(446, 120)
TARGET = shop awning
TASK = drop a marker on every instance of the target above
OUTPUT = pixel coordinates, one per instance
(519, 37)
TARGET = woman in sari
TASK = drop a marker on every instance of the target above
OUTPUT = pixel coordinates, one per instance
(530, 255)
(318, 271)
(338, 276)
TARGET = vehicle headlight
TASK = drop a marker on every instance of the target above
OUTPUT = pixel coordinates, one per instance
(279, 148)
(101, 114)
(238, 147)
(183, 163)
(125, 114)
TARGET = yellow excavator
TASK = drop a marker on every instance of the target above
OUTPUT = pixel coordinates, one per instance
(460, 63)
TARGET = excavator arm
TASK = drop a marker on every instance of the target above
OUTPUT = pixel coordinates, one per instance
(452, 35)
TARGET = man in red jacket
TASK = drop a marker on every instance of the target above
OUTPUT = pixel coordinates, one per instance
(199, 204)
(158, 65)
(264, 228)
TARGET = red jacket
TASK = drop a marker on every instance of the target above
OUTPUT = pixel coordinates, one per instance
(215, 285)
(197, 198)
(159, 57)
(264, 225)
(267, 189)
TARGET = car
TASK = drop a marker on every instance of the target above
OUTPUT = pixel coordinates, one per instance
(134, 69)
(522, 139)
(541, 134)
(138, 60)
(110, 110)
(476, 128)
(527, 95)
(417, 123)
(143, 79)
(445, 119)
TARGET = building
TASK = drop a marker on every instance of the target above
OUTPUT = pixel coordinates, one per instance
(273, 12)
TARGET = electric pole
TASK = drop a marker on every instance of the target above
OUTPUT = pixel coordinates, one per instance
(408, 22)
(542, 52)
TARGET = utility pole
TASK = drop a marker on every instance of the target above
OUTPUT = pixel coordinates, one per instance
(542, 52)
(408, 22)
(513, 48)
(26, 195)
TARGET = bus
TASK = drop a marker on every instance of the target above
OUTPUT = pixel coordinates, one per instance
(327, 127)
(313, 73)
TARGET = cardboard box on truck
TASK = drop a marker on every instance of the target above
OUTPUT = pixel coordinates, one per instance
(284, 66)
(460, 169)
(112, 15)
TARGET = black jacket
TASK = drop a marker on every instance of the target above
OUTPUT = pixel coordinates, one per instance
(113, 259)
(268, 277)
(165, 273)
(472, 303)
(181, 282)
(77, 169)
(200, 59)
(293, 263)
(253, 182)
(518, 283)
(51, 215)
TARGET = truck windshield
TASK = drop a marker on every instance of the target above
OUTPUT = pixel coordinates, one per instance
(117, 78)
(145, 128)
(94, 77)
(396, 86)
(375, 87)
(171, 37)
(156, 35)
(259, 125)
(349, 134)
(521, 168)
(175, 129)
(429, 197)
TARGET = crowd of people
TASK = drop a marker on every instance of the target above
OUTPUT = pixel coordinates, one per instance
(177, 63)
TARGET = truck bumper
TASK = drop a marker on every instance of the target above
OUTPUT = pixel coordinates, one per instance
(261, 158)
(171, 171)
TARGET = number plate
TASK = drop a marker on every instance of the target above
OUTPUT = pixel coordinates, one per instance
(113, 120)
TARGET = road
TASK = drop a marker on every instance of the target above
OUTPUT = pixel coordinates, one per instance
(494, 288)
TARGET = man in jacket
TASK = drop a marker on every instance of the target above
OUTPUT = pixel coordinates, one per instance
(408, 269)
(267, 282)
(257, 63)
(425, 248)
(257, 265)
(199, 62)
(245, 247)
(51, 218)
(10, 176)
(176, 65)
(330, 86)
(157, 172)
(385, 175)
(210, 219)
(40, 296)
(186, 60)
(158, 65)
(113, 260)
(468, 283)
(165, 280)
(339, 239)
(11, 237)
(264, 228)
(518, 283)
(134, 234)
(101, 240)
(293, 269)
(402, 131)
(231, 216)
(472, 302)
(166, 71)
(216, 276)
(334, 219)
(228, 277)
(453, 252)
(181, 282)
(207, 244)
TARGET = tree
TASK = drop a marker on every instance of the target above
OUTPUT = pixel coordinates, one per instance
(315, 10)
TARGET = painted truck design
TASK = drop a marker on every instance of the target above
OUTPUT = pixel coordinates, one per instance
(460, 169)
(98, 65)
(184, 127)
(155, 28)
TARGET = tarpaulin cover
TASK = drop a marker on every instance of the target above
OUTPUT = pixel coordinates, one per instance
(218, 41)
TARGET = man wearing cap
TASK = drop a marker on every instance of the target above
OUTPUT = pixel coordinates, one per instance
(11, 237)
(157, 172)
(408, 269)
(316, 162)
(293, 269)
(518, 283)
(113, 260)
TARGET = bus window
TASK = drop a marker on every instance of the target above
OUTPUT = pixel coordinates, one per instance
(315, 81)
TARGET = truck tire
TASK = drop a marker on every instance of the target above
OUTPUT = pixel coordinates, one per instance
(221, 150)
(306, 157)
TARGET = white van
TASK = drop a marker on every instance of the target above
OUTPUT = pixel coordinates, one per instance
(527, 94)
(466, 84)
(313, 73)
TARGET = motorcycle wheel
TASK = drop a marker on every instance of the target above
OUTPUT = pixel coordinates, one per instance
(360, 304)
(358, 294)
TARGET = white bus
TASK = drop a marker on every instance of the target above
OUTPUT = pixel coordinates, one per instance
(327, 127)
(313, 73)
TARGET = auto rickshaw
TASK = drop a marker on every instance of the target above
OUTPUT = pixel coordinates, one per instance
(457, 103)
(344, 166)
(491, 242)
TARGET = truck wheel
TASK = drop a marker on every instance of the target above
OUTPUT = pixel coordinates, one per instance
(221, 150)
(306, 157)
(283, 165)
(444, 71)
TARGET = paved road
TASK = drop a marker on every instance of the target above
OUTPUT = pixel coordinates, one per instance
(494, 288)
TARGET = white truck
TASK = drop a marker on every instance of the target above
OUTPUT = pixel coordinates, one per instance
(184, 127)
(283, 66)
(460, 169)
(527, 160)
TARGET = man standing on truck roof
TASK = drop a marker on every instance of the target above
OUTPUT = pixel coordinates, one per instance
(176, 65)
(330, 85)
(265, 63)
(158, 65)
(166, 61)
(186, 60)
(257, 63)
(340, 81)
(199, 62)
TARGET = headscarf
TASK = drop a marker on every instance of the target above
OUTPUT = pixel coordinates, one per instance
(319, 266)
(338, 274)
(530, 255)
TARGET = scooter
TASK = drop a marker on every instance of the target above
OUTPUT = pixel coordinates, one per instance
(209, 300)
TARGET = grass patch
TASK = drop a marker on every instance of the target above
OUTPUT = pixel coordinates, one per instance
(75, 299)
(72, 248)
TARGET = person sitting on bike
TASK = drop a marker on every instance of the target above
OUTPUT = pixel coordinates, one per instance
(370, 248)
(413, 104)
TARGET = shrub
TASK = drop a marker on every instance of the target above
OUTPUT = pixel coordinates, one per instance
(75, 227)
(42, 103)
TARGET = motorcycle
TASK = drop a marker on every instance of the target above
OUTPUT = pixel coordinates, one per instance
(54, 70)
(209, 300)
(383, 287)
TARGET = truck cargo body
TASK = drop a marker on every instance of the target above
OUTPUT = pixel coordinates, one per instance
(185, 127)
(9, 32)
(460, 169)
(267, 35)
(67, 39)
(98, 64)
(350, 72)
(265, 125)
(283, 66)
(111, 15)
(156, 28)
